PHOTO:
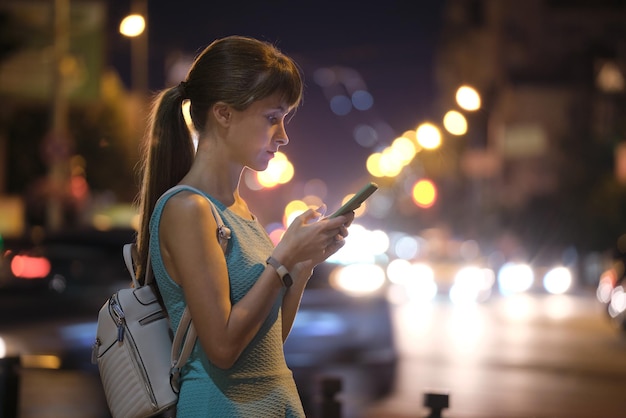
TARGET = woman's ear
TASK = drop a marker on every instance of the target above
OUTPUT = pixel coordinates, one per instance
(222, 113)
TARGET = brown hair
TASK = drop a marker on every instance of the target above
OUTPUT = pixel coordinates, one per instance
(235, 70)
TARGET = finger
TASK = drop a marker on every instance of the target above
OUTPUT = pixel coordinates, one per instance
(321, 210)
(336, 222)
(319, 214)
(337, 237)
(333, 248)
(309, 215)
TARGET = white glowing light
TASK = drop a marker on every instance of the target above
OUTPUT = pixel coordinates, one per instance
(558, 280)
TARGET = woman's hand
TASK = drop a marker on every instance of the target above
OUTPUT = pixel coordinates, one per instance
(312, 242)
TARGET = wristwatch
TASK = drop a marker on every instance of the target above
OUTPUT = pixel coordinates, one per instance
(282, 271)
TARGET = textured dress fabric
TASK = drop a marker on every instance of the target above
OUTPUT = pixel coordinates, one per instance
(259, 384)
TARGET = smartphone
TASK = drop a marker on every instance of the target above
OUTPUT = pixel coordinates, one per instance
(356, 200)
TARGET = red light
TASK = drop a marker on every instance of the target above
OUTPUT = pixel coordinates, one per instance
(26, 267)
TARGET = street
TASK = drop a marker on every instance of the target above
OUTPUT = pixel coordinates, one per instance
(539, 356)
(542, 356)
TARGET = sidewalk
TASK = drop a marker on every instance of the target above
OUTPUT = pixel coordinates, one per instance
(60, 394)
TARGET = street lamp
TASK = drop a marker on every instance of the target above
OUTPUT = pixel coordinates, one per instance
(134, 27)
(468, 98)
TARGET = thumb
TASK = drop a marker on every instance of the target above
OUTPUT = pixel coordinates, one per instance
(321, 211)
(309, 215)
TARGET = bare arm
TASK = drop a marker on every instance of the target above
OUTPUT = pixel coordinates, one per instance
(194, 259)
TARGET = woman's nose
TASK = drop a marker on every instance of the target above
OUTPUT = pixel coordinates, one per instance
(280, 137)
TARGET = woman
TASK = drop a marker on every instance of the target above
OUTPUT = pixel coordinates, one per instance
(242, 303)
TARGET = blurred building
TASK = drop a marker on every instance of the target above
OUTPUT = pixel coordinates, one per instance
(66, 144)
(546, 150)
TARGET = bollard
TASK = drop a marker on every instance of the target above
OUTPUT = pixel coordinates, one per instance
(9, 386)
(436, 402)
(330, 407)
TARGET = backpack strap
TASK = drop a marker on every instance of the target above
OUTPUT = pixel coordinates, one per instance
(186, 335)
(129, 249)
(223, 232)
(179, 360)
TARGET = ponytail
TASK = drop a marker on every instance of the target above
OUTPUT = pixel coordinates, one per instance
(167, 154)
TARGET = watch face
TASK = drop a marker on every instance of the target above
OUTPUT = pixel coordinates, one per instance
(282, 271)
(287, 280)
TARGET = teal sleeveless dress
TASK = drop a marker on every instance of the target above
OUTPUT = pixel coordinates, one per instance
(259, 384)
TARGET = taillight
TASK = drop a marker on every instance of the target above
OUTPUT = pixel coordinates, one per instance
(27, 267)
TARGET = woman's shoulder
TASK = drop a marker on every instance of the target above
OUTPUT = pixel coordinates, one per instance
(188, 205)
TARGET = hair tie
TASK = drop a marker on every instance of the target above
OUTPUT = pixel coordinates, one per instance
(182, 89)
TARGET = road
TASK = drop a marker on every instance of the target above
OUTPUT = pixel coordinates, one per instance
(541, 356)
(535, 356)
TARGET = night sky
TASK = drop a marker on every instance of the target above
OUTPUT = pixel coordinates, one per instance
(390, 45)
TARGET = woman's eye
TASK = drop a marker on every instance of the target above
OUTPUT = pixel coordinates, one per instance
(273, 120)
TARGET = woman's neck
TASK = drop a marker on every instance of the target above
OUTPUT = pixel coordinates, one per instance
(220, 181)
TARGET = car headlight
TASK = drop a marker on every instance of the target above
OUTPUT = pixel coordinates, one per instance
(358, 279)
(415, 281)
(472, 284)
(515, 278)
(557, 280)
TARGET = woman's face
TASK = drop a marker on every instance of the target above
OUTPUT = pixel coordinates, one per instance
(258, 132)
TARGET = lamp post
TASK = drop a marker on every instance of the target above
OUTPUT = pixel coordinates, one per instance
(134, 26)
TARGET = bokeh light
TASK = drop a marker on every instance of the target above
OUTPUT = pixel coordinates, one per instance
(428, 136)
(361, 246)
(515, 278)
(340, 105)
(455, 123)
(132, 25)
(362, 100)
(279, 171)
(294, 209)
(424, 193)
(468, 98)
(403, 150)
(558, 280)
(358, 279)
(365, 135)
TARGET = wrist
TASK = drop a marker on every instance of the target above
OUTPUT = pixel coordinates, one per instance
(303, 270)
(281, 270)
(283, 257)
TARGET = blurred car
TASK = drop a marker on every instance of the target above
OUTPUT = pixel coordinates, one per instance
(611, 292)
(344, 326)
(62, 262)
(53, 324)
(519, 277)
(51, 291)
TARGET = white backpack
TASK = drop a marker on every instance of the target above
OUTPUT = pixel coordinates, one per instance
(138, 359)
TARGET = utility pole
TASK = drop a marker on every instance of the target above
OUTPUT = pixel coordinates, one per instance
(57, 142)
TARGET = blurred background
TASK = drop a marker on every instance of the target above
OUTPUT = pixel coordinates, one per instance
(534, 160)
(495, 130)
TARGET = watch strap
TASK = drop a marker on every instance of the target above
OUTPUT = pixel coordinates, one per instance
(282, 271)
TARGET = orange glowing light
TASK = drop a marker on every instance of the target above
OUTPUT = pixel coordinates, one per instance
(424, 193)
